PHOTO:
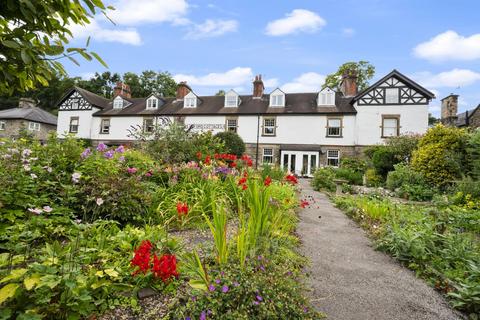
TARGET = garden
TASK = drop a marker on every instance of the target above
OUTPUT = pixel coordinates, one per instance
(146, 233)
(418, 197)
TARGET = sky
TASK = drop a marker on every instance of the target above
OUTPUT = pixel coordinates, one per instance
(293, 44)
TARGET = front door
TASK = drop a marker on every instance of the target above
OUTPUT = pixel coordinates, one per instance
(301, 163)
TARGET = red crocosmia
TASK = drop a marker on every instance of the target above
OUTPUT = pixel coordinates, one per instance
(216, 156)
(267, 181)
(141, 258)
(245, 174)
(182, 209)
(249, 162)
(242, 181)
(291, 178)
(208, 160)
(304, 204)
(244, 187)
(233, 165)
(199, 155)
(165, 267)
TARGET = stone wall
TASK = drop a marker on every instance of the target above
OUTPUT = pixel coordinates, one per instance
(474, 120)
(14, 126)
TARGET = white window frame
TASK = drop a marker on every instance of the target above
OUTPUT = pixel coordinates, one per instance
(231, 99)
(331, 133)
(149, 128)
(388, 97)
(269, 126)
(326, 97)
(118, 103)
(72, 125)
(33, 126)
(3, 125)
(105, 129)
(333, 155)
(190, 102)
(277, 100)
(152, 103)
(267, 155)
(397, 126)
(232, 128)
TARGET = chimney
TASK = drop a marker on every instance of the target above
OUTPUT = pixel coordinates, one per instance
(449, 109)
(349, 83)
(26, 103)
(182, 90)
(258, 87)
(122, 89)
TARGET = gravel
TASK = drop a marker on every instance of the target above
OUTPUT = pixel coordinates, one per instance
(350, 280)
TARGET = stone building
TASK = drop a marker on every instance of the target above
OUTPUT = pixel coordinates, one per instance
(451, 117)
(28, 117)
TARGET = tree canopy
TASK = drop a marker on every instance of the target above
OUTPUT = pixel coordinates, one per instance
(363, 69)
(33, 39)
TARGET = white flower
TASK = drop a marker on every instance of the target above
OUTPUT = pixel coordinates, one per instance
(26, 167)
(76, 177)
(33, 175)
(35, 211)
(47, 209)
(99, 201)
(26, 153)
(49, 169)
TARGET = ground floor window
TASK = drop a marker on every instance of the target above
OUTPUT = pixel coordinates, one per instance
(34, 126)
(3, 124)
(105, 127)
(267, 155)
(390, 126)
(73, 125)
(333, 158)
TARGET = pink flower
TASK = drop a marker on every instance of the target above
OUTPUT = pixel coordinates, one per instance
(101, 147)
(99, 201)
(36, 211)
(47, 209)
(132, 170)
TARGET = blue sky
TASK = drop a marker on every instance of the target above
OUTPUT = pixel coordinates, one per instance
(222, 44)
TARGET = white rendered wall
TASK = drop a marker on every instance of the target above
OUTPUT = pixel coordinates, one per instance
(84, 122)
(413, 119)
(119, 127)
(206, 123)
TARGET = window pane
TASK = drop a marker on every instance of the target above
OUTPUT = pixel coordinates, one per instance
(313, 163)
(391, 95)
(334, 122)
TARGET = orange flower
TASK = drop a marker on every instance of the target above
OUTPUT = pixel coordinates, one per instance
(182, 209)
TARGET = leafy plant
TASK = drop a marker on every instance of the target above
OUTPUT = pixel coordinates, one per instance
(233, 142)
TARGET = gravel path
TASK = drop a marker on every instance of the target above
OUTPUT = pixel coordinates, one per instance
(350, 280)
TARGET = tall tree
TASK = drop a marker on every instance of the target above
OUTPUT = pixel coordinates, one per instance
(149, 82)
(363, 69)
(101, 84)
(33, 36)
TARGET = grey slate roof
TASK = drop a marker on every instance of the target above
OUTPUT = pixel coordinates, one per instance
(295, 103)
(462, 117)
(32, 114)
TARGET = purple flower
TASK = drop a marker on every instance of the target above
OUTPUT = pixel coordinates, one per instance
(188, 318)
(121, 159)
(86, 153)
(203, 315)
(101, 147)
(109, 154)
(259, 298)
(256, 302)
(211, 287)
(26, 153)
(225, 289)
(236, 284)
(120, 149)
(262, 268)
(217, 281)
(194, 298)
(132, 170)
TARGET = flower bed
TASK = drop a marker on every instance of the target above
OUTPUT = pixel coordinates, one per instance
(84, 229)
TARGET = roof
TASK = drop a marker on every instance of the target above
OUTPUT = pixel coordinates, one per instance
(462, 117)
(94, 99)
(401, 77)
(295, 103)
(32, 113)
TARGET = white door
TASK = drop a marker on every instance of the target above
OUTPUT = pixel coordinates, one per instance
(301, 163)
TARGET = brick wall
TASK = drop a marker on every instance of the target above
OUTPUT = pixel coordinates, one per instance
(13, 127)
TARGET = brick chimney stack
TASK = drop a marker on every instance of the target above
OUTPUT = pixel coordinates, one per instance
(449, 109)
(349, 83)
(182, 90)
(258, 87)
(26, 103)
(122, 89)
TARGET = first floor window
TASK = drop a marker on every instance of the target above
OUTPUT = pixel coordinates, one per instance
(232, 125)
(267, 155)
(333, 158)
(3, 124)
(73, 125)
(148, 125)
(390, 126)
(334, 127)
(34, 126)
(269, 126)
(105, 128)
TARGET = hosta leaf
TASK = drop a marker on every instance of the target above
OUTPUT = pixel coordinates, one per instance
(32, 281)
(198, 284)
(8, 291)
(15, 274)
(112, 273)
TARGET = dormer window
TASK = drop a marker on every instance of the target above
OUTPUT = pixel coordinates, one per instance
(277, 98)
(231, 99)
(190, 101)
(326, 97)
(152, 103)
(118, 103)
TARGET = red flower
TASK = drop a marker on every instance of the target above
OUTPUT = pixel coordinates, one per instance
(244, 187)
(304, 204)
(242, 181)
(182, 209)
(165, 267)
(267, 181)
(249, 162)
(141, 259)
(233, 165)
(199, 155)
(216, 156)
(208, 160)
(291, 178)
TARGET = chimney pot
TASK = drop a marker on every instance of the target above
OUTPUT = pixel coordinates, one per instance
(26, 103)
(449, 109)
(258, 87)
(122, 89)
(349, 83)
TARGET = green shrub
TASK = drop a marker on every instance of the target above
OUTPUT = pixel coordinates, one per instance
(274, 172)
(474, 153)
(323, 179)
(353, 177)
(383, 160)
(354, 164)
(416, 192)
(372, 179)
(441, 155)
(466, 193)
(404, 174)
(233, 142)
(403, 146)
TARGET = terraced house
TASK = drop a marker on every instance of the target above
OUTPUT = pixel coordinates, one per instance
(299, 131)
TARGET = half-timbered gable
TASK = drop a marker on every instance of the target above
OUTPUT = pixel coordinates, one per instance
(75, 102)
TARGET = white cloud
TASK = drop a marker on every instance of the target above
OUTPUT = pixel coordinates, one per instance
(348, 32)
(299, 20)
(100, 33)
(306, 82)
(87, 75)
(453, 78)
(449, 46)
(212, 28)
(136, 12)
(270, 83)
(232, 78)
